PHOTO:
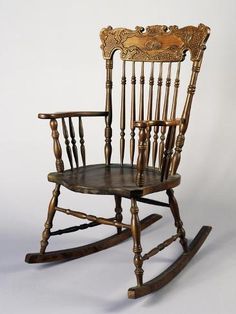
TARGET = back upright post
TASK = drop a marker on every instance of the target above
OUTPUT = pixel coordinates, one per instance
(108, 119)
(186, 114)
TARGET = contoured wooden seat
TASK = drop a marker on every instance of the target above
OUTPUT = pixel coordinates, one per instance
(115, 180)
(154, 152)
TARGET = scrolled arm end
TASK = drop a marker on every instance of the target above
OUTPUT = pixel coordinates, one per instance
(150, 123)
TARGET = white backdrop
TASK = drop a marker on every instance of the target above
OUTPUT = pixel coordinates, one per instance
(50, 61)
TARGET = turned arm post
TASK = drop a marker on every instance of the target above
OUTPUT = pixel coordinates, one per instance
(56, 145)
(168, 153)
(141, 162)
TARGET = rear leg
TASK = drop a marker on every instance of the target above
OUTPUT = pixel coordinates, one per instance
(118, 210)
(178, 222)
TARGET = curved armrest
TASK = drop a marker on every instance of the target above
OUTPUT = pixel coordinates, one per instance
(70, 114)
(150, 123)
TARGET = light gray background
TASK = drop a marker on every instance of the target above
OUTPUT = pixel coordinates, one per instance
(50, 60)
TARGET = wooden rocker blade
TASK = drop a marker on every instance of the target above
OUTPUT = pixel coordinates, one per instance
(173, 270)
(77, 252)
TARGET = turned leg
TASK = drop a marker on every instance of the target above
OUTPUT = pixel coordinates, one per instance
(48, 223)
(137, 249)
(118, 210)
(178, 222)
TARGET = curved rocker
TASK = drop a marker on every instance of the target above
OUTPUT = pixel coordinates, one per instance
(166, 276)
(77, 252)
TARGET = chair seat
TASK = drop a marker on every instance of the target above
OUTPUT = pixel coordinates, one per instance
(112, 180)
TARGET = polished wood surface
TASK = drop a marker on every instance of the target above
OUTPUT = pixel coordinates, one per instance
(158, 43)
(132, 115)
(149, 89)
(172, 271)
(77, 252)
(113, 180)
(71, 114)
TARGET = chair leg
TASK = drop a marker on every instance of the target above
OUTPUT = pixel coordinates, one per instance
(118, 210)
(137, 249)
(48, 223)
(178, 222)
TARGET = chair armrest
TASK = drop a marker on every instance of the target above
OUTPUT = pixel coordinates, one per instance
(71, 114)
(150, 123)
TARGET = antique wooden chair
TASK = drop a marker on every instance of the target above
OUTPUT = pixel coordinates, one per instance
(161, 138)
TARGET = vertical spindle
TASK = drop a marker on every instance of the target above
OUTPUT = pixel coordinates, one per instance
(141, 95)
(122, 115)
(164, 115)
(157, 116)
(149, 111)
(67, 142)
(175, 95)
(82, 146)
(133, 114)
(73, 142)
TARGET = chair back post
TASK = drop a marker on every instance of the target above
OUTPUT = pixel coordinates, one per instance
(186, 114)
(108, 119)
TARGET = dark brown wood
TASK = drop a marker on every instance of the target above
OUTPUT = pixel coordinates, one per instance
(73, 142)
(141, 94)
(118, 210)
(157, 116)
(101, 220)
(67, 142)
(165, 123)
(167, 129)
(141, 162)
(132, 115)
(56, 145)
(164, 116)
(185, 115)
(122, 116)
(137, 249)
(168, 153)
(113, 180)
(48, 223)
(160, 247)
(149, 111)
(108, 119)
(82, 146)
(77, 252)
(173, 270)
(75, 228)
(152, 202)
(178, 222)
(71, 114)
(175, 95)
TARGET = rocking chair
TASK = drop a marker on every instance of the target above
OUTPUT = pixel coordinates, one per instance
(161, 50)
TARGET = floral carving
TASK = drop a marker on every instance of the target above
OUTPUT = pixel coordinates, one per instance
(158, 43)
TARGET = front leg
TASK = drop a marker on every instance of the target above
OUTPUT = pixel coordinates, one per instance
(137, 249)
(48, 223)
